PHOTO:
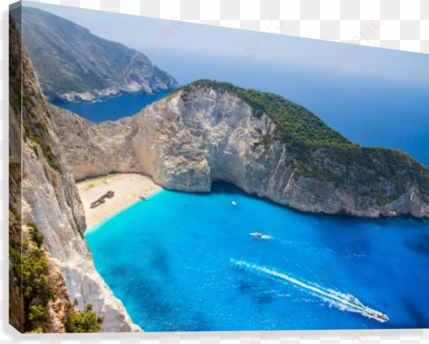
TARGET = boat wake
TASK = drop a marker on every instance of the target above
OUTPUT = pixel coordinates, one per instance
(339, 300)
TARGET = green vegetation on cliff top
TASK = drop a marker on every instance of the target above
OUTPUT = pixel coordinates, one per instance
(324, 154)
(295, 123)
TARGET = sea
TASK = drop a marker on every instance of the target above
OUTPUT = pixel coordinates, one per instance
(187, 262)
(113, 108)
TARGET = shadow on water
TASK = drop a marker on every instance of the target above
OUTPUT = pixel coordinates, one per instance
(416, 314)
(245, 287)
(160, 262)
(420, 244)
(165, 316)
(151, 297)
(257, 293)
(263, 299)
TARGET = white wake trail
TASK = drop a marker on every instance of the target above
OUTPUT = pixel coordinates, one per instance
(342, 301)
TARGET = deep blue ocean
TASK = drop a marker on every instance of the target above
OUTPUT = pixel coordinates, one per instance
(186, 262)
(113, 108)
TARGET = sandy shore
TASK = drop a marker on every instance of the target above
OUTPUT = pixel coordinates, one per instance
(127, 187)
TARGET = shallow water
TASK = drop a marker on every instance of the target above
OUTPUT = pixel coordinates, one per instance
(186, 262)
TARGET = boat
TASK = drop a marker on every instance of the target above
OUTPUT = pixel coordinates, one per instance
(98, 202)
(382, 316)
(109, 194)
(95, 204)
(255, 235)
(144, 197)
(234, 204)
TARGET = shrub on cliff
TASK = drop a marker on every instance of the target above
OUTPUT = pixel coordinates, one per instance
(30, 266)
(36, 235)
(83, 322)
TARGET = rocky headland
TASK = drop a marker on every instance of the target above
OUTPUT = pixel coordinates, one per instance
(262, 143)
(86, 67)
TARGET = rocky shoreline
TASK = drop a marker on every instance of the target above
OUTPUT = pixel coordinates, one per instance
(95, 95)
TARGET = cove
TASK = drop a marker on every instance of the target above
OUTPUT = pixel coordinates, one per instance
(113, 108)
(186, 262)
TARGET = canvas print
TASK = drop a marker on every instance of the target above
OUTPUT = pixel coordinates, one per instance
(171, 176)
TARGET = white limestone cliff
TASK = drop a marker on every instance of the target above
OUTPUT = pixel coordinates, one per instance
(50, 199)
(186, 145)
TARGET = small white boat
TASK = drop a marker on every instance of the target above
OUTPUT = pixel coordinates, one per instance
(145, 198)
(234, 204)
(255, 235)
(383, 317)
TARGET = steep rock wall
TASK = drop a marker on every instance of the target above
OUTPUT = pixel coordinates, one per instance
(50, 199)
(186, 145)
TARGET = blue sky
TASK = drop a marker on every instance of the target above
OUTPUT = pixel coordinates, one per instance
(229, 44)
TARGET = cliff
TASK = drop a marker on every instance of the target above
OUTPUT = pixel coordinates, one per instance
(260, 142)
(50, 262)
(74, 65)
(16, 299)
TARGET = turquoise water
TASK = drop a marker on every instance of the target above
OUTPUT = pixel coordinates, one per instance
(113, 108)
(186, 262)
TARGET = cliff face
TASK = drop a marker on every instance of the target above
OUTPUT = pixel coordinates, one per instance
(199, 135)
(85, 66)
(16, 300)
(51, 202)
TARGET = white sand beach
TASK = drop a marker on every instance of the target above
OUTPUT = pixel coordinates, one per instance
(128, 188)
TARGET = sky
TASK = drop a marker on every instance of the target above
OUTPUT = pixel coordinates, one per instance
(327, 58)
